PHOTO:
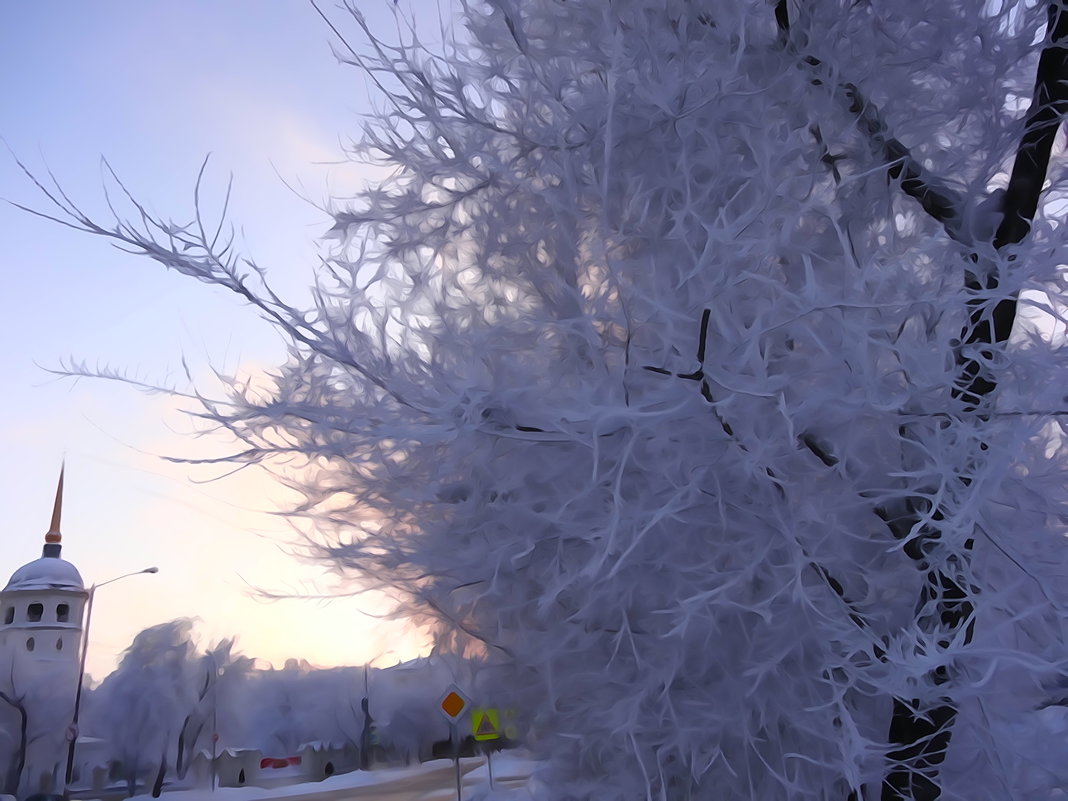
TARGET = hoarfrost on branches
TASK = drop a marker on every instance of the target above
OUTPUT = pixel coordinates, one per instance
(670, 374)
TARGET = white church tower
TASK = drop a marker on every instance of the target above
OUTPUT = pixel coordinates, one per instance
(40, 643)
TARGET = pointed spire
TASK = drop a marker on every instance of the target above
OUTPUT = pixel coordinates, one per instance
(53, 538)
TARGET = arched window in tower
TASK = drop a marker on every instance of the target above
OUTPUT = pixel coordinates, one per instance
(63, 613)
(59, 643)
(30, 644)
(34, 612)
(9, 615)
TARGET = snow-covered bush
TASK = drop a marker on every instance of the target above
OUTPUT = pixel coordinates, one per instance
(669, 373)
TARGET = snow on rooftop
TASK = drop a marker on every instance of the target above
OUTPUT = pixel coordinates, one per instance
(46, 573)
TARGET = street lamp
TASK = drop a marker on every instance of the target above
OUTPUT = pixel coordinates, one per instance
(217, 673)
(73, 731)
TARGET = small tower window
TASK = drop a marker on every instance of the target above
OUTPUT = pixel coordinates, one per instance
(63, 613)
(33, 614)
(59, 644)
(9, 615)
(30, 644)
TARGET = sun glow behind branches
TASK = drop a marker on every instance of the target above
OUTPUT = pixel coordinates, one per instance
(261, 92)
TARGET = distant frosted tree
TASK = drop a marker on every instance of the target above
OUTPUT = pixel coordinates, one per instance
(144, 702)
(671, 372)
(404, 704)
(213, 676)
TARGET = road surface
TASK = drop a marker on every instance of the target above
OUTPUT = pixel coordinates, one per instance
(435, 784)
(407, 788)
(429, 782)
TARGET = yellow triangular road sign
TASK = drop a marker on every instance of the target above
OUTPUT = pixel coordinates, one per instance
(486, 724)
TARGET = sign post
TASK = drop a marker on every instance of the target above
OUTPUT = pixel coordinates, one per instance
(453, 704)
(486, 727)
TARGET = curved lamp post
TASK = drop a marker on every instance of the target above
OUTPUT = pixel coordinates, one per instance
(73, 731)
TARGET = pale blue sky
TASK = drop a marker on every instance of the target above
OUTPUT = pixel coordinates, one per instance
(155, 87)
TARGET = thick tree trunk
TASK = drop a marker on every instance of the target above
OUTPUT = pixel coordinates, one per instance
(921, 736)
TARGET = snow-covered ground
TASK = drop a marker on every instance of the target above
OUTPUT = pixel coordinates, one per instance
(510, 774)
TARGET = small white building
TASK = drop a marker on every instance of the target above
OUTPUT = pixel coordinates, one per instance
(92, 763)
(321, 760)
(234, 767)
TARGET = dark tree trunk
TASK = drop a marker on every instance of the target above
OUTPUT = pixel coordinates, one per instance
(157, 785)
(187, 740)
(365, 735)
(179, 759)
(921, 736)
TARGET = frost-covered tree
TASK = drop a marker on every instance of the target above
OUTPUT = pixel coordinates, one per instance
(671, 372)
(404, 704)
(145, 701)
(215, 674)
(286, 711)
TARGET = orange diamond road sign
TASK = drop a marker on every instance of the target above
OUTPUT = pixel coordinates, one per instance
(453, 703)
(486, 724)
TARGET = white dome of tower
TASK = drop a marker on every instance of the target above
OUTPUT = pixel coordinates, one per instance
(46, 573)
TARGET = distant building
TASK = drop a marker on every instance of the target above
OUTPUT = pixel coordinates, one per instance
(321, 760)
(234, 767)
(41, 612)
